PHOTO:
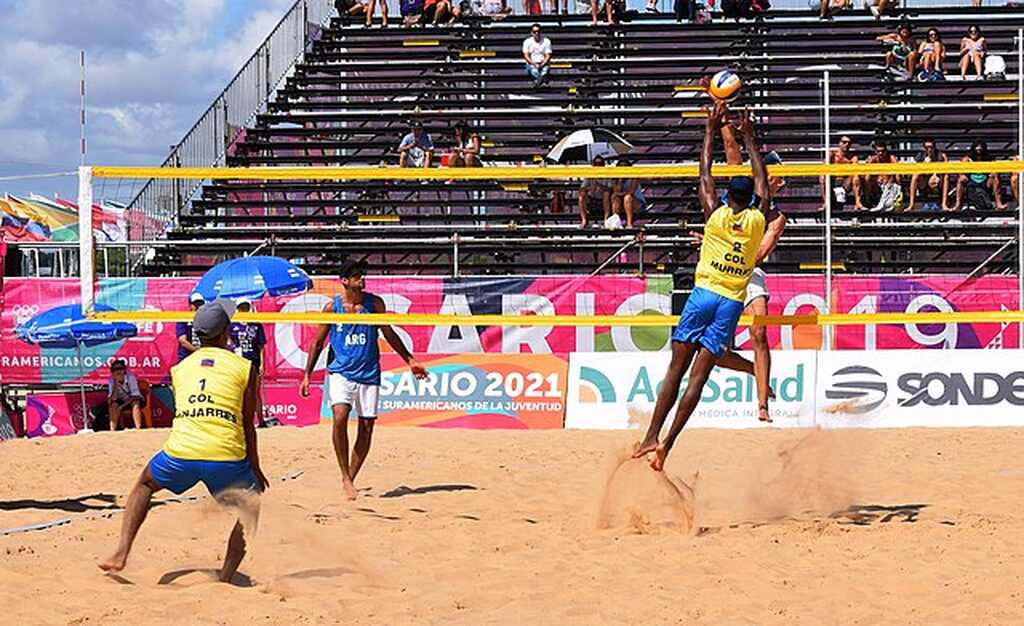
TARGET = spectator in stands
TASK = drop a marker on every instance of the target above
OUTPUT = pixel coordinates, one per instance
(371, 6)
(123, 396)
(439, 11)
(627, 196)
(934, 194)
(466, 152)
(537, 54)
(744, 9)
(532, 7)
(880, 192)
(416, 148)
(595, 195)
(188, 339)
(843, 188)
(979, 190)
(350, 8)
(495, 9)
(1015, 183)
(930, 55)
(902, 54)
(248, 341)
(972, 52)
(827, 9)
(879, 8)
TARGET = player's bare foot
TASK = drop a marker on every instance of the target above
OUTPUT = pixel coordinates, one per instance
(114, 564)
(644, 448)
(763, 415)
(660, 454)
(350, 490)
(771, 393)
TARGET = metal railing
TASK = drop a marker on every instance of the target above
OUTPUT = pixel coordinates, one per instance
(211, 140)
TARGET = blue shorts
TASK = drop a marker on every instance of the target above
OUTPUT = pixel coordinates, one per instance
(180, 475)
(710, 320)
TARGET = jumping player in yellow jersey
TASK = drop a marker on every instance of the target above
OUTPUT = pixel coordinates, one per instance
(728, 256)
(213, 439)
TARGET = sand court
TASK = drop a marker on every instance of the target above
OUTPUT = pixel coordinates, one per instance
(545, 527)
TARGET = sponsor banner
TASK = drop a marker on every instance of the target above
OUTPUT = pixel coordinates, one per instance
(476, 391)
(618, 391)
(899, 388)
(284, 404)
(153, 352)
(54, 414)
(796, 295)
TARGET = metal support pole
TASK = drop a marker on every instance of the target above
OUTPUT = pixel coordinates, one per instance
(455, 255)
(827, 337)
(1020, 179)
(86, 269)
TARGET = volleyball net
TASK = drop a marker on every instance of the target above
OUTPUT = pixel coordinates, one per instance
(818, 294)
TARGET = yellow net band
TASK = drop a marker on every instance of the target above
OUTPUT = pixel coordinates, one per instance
(555, 172)
(418, 319)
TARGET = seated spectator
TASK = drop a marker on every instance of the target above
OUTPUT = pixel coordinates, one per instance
(880, 192)
(615, 11)
(123, 396)
(978, 190)
(466, 152)
(930, 55)
(827, 9)
(934, 194)
(371, 6)
(350, 8)
(188, 338)
(744, 9)
(1015, 183)
(902, 54)
(972, 53)
(411, 10)
(537, 54)
(627, 196)
(416, 148)
(494, 9)
(843, 188)
(532, 7)
(595, 195)
(439, 12)
(879, 8)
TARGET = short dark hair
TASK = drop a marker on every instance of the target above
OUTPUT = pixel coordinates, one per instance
(928, 140)
(117, 365)
(535, 25)
(880, 143)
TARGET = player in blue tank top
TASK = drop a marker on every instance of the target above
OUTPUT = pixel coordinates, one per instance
(353, 373)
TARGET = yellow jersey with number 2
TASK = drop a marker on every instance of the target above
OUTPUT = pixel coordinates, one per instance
(728, 253)
(209, 392)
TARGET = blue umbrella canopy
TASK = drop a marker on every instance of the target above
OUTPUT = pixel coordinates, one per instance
(66, 327)
(253, 277)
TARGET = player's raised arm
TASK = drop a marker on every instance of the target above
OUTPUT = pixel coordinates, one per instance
(396, 342)
(756, 161)
(772, 233)
(708, 201)
(314, 352)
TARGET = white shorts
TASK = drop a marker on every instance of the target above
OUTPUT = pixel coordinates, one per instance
(757, 287)
(362, 398)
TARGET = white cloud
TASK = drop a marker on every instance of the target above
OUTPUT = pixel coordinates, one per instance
(153, 67)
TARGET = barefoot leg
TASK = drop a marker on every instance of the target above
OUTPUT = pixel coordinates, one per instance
(682, 354)
(361, 449)
(699, 373)
(339, 436)
(762, 358)
(235, 554)
(134, 514)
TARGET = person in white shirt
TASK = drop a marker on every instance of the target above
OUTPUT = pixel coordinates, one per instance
(537, 54)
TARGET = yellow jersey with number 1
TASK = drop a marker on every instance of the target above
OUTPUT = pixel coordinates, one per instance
(728, 253)
(209, 392)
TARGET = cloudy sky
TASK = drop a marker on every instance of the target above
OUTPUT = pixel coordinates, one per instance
(153, 67)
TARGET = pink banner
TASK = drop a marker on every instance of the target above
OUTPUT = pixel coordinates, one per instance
(151, 354)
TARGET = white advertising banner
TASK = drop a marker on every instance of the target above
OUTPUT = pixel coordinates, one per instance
(896, 388)
(618, 391)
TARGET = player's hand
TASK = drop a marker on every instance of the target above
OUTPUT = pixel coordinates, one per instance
(304, 386)
(719, 115)
(417, 370)
(697, 236)
(746, 126)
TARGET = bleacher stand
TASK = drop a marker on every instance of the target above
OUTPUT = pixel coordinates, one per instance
(351, 102)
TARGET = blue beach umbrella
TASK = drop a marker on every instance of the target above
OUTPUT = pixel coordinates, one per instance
(66, 327)
(253, 277)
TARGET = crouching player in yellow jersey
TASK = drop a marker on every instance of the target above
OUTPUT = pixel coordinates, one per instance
(212, 439)
(728, 256)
